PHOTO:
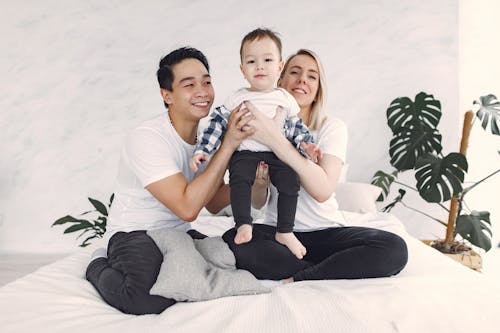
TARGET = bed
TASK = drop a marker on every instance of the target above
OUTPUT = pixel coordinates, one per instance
(432, 294)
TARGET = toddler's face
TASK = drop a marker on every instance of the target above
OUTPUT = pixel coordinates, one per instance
(261, 64)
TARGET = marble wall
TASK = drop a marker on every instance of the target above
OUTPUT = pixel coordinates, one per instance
(77, 76)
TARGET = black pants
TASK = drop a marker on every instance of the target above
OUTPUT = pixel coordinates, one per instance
(124, 278)
(242, 168)
(333, 253)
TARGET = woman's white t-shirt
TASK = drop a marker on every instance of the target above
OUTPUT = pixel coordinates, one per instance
(331, 138)
(151, 152)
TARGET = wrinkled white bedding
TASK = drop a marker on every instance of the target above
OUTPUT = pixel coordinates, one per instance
(432, 293)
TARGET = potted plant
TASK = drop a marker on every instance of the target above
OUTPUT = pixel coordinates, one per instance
(416, 146)
(94, 226)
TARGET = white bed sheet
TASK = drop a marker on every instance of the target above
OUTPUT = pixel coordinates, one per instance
(433, 293)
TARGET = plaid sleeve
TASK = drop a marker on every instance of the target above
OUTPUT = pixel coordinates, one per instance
(214, 134)
(296, 132)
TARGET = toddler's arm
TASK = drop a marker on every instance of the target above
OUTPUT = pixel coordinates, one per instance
(300, 136)
(212, 135)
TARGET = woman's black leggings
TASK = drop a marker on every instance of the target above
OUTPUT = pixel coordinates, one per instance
(333, 253)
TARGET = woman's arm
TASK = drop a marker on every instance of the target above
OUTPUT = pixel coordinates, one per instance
(319, 180)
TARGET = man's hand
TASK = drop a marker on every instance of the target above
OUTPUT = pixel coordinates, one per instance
(196, 160)
(312, 151)
(238, 127)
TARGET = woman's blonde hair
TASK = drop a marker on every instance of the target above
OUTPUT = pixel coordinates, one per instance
(316, 118)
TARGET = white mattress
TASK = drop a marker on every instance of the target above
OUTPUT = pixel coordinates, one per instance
(432, 293)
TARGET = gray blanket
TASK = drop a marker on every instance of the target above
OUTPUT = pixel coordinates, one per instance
(198, 270)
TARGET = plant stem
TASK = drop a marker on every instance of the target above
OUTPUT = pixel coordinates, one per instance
(402, 184)
(414, 189)
(455, 203)
(418, 211)
(465, 191)
(462, 204)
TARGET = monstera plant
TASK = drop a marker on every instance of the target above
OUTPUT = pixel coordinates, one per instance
(416, 145)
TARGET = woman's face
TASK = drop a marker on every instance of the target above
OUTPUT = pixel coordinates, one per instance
(301, 79)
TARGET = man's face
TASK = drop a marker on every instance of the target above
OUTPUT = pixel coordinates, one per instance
(192, 92)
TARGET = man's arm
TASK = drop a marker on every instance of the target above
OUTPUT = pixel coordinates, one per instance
(186, 200)
(220, 200)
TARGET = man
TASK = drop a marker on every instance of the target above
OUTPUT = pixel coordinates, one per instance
(156, 187)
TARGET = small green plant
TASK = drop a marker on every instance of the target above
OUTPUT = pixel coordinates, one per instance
(416, 146)
(94, 226)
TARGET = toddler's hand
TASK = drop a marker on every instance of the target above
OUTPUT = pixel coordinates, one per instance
(196, 161)
(312, 151)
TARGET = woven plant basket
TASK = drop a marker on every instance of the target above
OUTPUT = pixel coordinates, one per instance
(467, 257)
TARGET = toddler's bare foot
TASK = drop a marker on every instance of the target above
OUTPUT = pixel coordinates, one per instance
(294, 245)
(243, 234)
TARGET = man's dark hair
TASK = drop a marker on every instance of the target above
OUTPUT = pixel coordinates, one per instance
(166, 75)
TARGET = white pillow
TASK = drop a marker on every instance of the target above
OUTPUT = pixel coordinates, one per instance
(357, 197)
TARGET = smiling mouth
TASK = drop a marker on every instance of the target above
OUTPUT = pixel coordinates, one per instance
(202, 104)
(300, 91)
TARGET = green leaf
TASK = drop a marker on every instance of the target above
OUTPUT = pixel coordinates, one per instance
(411, 142)
(475, 228)
(77, 227)
(489, 112)
(384, 181)
(86, 241)
(111, 198)
(426, 110)
(89, 238)
(396, 200)
(99, 206)
(101, 225)
(67, 219)
(439, 179)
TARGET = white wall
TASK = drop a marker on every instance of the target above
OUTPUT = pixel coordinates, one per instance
(78, 75)
(480, 75)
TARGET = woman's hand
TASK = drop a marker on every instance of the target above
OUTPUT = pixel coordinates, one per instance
(262, 174)
(260, 186)
(267, 131)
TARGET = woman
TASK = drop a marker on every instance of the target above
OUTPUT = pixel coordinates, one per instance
(333, 251)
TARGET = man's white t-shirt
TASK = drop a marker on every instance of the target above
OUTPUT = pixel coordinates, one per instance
(151, 152)
(311, 214)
